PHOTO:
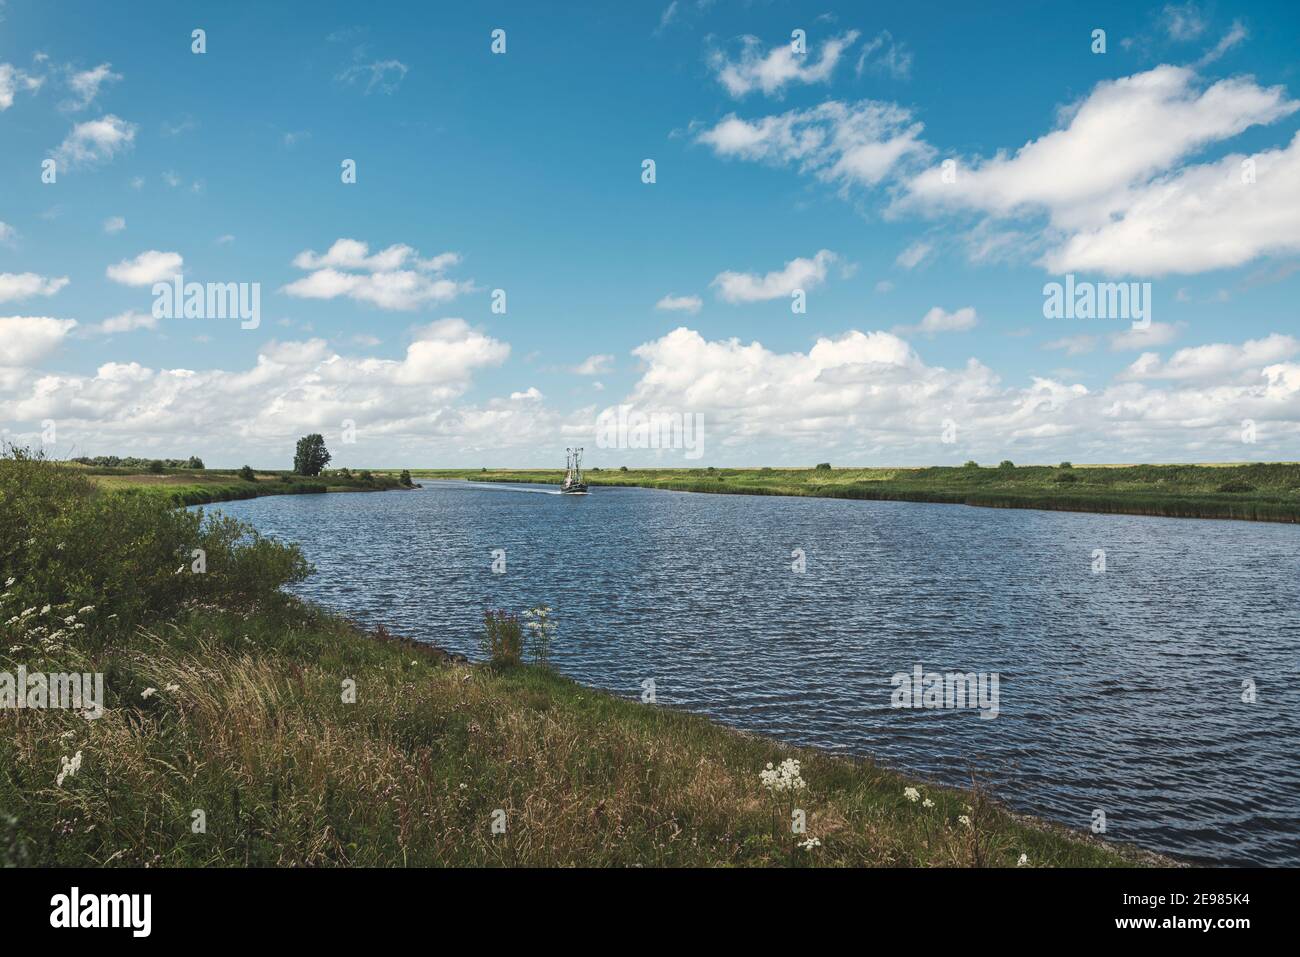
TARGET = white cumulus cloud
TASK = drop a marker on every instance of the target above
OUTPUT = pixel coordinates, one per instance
(94, 142)
(805, 274)
(24, 285)
(146, 269)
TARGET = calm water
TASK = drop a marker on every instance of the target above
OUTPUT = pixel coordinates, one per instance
(1120, 691)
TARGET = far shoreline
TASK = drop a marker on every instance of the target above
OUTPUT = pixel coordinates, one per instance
(1263, 492)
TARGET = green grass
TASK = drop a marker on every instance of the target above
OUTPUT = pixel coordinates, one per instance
(1256, 491)
(256, 736)
(247, 723)
(204, 486)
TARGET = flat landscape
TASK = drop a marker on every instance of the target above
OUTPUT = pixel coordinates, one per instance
(223, 696)
(1251, 491)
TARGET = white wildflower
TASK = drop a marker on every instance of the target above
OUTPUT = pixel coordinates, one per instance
(148, 692)
(86, 611)
(784, 778)
(1024, 860)
(963, 819)
(912, 794)
(45, 610)
(809, 844)
(9, 582)
(927, 803)
(70, 766)
(172, 688)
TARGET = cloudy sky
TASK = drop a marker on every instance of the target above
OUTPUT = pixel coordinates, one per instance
(919, 172)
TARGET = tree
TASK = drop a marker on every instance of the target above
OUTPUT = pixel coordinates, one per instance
(194, 462)
(246, 473)
(1006, 465)
(311, 455)
(406, 478)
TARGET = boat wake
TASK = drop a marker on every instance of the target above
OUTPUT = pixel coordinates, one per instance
(496, 487)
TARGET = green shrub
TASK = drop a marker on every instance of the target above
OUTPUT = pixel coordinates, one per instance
(1065, 478)
(971, 464)
(502, 640)
(130, 555)
(246, 473)
(405, 478)
(1235, 486)
(622, 468)
(823, 467)
(156, 466)
(1006, 465)
(1065, 465)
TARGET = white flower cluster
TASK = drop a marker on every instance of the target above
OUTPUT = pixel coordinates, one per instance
(70, 767)
(809, 844)
(784, 778)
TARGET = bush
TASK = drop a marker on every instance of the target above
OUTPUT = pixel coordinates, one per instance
(129, 554)
(246, 473)
(1236, 486)
(502, 640)
(156, 466)
(405, 478)
(194, 462)
(622, 468)
(366, 477)
(823, 467)
(1006, 465)
(1065, 478)
(971, 464)
(1065, 465)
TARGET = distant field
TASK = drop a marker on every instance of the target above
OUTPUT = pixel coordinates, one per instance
(1256, 491)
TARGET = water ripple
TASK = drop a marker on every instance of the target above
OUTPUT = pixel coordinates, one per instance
(1118, 691)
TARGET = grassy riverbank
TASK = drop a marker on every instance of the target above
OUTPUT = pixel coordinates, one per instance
(1257, 491)
(204, 486)
(226, 707)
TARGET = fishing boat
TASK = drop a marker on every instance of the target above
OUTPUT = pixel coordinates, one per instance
(573, 483)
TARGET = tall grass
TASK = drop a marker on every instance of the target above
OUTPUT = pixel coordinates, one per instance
(244, 728)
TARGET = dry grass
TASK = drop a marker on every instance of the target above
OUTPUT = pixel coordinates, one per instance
(256, 736)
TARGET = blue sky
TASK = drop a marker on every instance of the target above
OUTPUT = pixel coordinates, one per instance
(774, 169)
